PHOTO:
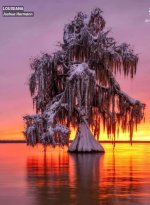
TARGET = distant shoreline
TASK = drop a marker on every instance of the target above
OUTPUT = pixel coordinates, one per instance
(106, 141)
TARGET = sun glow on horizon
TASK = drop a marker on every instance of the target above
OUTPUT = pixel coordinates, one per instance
(142, 134)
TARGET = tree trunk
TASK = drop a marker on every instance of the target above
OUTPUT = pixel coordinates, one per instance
(84, 141)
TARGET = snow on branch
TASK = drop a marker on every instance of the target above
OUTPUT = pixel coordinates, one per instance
(86, 40)
(81, 85)
(78, 83)
(117, 108)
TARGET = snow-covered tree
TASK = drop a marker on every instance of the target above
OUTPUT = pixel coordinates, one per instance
(76, 88)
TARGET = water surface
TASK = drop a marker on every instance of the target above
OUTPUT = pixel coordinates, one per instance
(118, 177)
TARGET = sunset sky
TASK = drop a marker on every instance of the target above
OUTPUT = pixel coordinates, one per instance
(25, 37)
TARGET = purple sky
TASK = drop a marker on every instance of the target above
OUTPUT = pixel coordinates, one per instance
(22, 38)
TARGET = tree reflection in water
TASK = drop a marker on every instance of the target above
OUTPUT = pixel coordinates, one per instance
(62, 178)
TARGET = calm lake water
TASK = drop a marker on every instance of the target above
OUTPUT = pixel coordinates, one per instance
(118, 177)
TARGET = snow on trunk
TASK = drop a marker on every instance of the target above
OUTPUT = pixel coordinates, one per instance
(84, 141)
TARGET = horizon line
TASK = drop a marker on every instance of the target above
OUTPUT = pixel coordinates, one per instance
(101, 141)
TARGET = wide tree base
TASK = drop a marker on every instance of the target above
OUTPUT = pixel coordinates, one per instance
(85, 142)
(83, 152)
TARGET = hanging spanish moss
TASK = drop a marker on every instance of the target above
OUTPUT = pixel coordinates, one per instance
(76, 87)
